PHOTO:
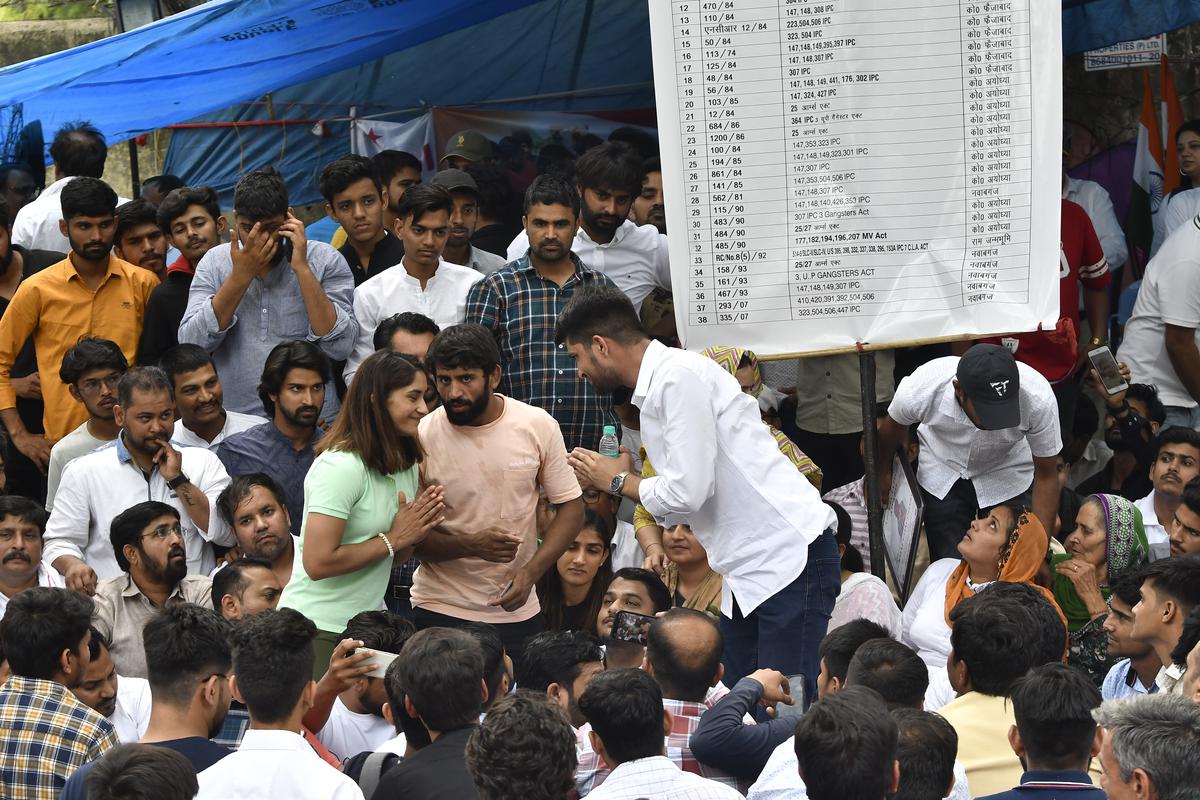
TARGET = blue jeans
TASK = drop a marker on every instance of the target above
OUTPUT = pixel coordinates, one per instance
(784, 631)
(1180, 417)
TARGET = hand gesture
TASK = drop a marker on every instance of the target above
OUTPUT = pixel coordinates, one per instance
(293, 230)
(1114, 401)
(35, 447)
(496, 544)
(1082, 576)
(515, 592)
(169, 461)
(656, 561)
(345, 666)
(254, 256)
(775, 688)
(596, 471)
(414, 520)
(80, 577)
(29, 387)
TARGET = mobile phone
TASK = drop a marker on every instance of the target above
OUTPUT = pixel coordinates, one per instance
(796, 690)
(379, 661)
(284, 250)
(630, 627)
(1106, 367)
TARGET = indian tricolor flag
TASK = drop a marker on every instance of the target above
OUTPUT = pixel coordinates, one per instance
(1147, 190)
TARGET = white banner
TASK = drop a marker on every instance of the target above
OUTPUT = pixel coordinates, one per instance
(369, 136)
(859, 171)
(1137, 53)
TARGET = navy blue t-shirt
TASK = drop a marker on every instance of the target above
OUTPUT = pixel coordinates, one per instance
(203, 753)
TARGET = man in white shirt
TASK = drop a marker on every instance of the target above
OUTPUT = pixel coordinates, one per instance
(634, 257)
(463, 219)
(1095, 201)
(22, 523)
(1161, 343)
(628, 725)
(989, 434)
(140, 464)
(122, 700)
(423, 282)
(78, 150)
(1176, 463)
(765, 529)
(272, 675)
(91, 370)
(203, 419)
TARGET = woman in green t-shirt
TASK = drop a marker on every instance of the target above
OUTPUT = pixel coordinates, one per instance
(358, 519)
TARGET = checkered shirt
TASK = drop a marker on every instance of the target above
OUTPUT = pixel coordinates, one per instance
(45, 735)
(520, 308)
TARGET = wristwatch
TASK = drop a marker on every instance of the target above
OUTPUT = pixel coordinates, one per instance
(618, 483)
(1097, 341)
(177, 481)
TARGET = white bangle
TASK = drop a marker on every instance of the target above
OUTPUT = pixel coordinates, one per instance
(391, 550)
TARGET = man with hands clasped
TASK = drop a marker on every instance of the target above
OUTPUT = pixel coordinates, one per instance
(268, 285)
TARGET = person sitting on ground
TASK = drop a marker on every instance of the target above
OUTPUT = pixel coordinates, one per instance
(927, 751)
(1055, 736)
(22, 523)
(863, 596)
(122, 700)
(523, 748)
(1132, 422)
(147, 543)
(272, 667)
(188, 658)
(638, 591)
(628, 727)
(1185, 527)
(1187, 655)
(1139, 664)
(560, 665)
(254, 506)
(191, 219)
(571, 594)
(138, 239)
(846, 746)
(497, 666)
(1108, 542)
(347, 715)
(689, 578)
(91, 369)
(142, 463)
(245, 586)
(1007, 544)
(1176, 463)
(46, 733)
(441, 671)
(292, 391)
(200, 401)
(1150, 746)
(1170, 590)
(134, 771)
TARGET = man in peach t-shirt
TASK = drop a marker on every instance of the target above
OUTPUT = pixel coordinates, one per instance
(491, 453)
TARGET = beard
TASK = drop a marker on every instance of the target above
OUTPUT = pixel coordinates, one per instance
(603, 224)
(271, 548)
(302, 416)
(91, 251)
(465, 415)
(172, 571)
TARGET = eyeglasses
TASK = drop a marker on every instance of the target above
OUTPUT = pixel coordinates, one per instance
(92, 385)
(164, 532)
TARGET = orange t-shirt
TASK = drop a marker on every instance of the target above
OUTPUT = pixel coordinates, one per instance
(491, 474)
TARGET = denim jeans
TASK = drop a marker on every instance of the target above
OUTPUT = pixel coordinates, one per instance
(784, 631)
(1181, 417)
(946, 520)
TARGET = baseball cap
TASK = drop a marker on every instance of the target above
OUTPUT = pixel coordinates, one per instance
(471, 145)
(988, 376)
(451, 179)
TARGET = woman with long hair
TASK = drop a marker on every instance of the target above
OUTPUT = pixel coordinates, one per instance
(572, 592)
(363, 510)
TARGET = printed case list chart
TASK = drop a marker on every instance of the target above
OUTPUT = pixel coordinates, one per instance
(847, 171)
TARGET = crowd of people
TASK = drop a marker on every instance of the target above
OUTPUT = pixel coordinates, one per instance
(440, 508)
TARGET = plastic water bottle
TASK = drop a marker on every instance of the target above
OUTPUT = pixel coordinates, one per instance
(610, 445)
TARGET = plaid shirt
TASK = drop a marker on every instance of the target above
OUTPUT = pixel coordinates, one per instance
(45, 735)
(520, 308)
(685, 718)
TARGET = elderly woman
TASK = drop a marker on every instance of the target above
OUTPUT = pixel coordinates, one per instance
(1005, 544)
(1108, 541)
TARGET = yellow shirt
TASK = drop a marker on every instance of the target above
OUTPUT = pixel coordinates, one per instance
(57, 307)
(982, 723)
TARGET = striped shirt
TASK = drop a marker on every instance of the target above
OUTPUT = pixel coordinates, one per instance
(520, 308)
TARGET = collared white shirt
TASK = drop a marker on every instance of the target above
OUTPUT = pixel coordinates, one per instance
(998, 463)
(77, 443)
(132, 713)
(660, 778)
(394, 291)
(347, 733)
(1156, 532)
(235, 422)
(1173, 213)
(97, 487)
(720, 470)
(47, 576)
(278, 764)
(36, 224)
(636, 259)
(1096, 202)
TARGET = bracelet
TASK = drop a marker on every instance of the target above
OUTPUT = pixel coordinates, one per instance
(1096, 341)
(659, 545)
(388, 544)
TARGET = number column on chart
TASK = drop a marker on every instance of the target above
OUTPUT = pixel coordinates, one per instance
(689, 72)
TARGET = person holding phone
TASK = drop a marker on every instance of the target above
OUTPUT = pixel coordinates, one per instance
(268, 285)
(363, 508)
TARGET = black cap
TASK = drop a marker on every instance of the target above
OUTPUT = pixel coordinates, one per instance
(451, 179)
(987, 374)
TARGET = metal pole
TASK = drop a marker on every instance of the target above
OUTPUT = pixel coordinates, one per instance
(134, 178)
(866, 373)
